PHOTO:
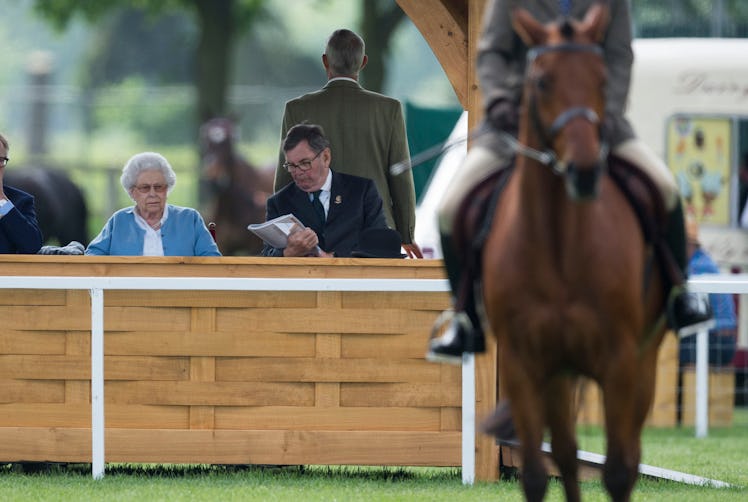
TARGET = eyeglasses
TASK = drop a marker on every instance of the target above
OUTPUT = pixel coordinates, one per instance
(158, 188)
(4, 161)
(303, 165)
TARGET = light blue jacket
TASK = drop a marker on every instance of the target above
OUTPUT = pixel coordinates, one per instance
(184, 234)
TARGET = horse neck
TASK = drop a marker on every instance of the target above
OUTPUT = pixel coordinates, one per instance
(232, 165)
(226, 155)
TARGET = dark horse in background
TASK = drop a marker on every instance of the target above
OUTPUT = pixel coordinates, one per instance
(570, 285)
(60, 204)
(235, 190)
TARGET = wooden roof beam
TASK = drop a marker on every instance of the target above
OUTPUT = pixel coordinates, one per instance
(444, 26)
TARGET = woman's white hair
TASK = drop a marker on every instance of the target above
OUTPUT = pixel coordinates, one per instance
(147, 161)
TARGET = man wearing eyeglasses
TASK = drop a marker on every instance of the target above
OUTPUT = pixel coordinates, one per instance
(333, 207)
(19, 230)
(366, 131)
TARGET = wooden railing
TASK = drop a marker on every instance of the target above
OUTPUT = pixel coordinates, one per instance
(239, 361)
(221, 360)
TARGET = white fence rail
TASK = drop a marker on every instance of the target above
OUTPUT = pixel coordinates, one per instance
(715, 283)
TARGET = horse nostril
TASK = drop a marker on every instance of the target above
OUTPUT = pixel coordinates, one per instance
(583, 184)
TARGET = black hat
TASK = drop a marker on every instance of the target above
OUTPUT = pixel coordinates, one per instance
(379, 243)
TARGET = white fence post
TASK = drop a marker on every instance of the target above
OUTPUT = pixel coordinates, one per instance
(468, 418)
(97, 383)
(702, 383)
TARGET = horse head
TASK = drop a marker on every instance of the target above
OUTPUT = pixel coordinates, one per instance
(234, 189)
(564, 96)
(217, 139)
(218, 132)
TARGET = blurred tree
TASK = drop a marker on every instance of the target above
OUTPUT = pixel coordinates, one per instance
(131, 48)
(130, 42)
(219, 23)
(379, 20)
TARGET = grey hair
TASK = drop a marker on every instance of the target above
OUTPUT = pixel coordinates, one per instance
(147, 161)
(345, 53)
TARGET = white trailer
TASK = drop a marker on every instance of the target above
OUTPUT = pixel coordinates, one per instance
(685, 87)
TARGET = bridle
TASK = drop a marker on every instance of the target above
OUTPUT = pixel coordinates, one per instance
(547, 156)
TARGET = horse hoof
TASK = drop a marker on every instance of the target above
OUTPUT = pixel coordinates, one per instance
(500, 423)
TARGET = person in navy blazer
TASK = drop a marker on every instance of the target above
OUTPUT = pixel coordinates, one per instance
(19, 230)
(351, 203)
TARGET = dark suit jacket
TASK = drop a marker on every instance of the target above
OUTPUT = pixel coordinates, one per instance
(355, 205)
(19, 230)
(367, 135)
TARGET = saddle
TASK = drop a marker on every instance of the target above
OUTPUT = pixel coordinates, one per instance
(477, 210)
(476, 214)
(649, 206)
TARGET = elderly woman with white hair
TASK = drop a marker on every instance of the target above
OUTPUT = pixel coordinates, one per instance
(152, 227)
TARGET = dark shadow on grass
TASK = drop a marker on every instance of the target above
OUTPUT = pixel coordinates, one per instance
(367, 473)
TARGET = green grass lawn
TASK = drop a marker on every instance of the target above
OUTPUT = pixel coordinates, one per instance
(723, 455)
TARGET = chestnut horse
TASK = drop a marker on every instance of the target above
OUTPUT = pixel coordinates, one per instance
(235, 189)
(570, 285)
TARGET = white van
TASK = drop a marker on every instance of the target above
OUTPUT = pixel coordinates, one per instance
(689, 101)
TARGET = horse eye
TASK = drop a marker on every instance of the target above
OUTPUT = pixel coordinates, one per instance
(543, 84)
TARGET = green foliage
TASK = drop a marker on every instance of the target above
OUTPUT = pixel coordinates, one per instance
(60, 12)
(219, 24)
(248, 12)
(123, 107)
(130, 42)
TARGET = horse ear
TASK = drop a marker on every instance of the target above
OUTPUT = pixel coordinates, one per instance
(529, 30)
(595, 22)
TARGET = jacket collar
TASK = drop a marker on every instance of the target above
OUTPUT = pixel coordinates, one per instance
(342, 82)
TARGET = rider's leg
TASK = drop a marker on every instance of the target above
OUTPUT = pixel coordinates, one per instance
(684, 308)
(461, 328)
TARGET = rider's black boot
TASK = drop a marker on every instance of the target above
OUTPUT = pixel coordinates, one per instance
(684, 309)
(459, 328)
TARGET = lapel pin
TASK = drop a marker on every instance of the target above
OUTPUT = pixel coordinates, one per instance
(338, 199)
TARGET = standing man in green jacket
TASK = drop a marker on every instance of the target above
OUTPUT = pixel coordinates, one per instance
(366, 132)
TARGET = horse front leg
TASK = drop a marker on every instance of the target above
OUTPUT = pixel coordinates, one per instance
(627, 394)
(562, 421)
(525, 394)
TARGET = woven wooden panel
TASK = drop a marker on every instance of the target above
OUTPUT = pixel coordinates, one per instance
(230, 377)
